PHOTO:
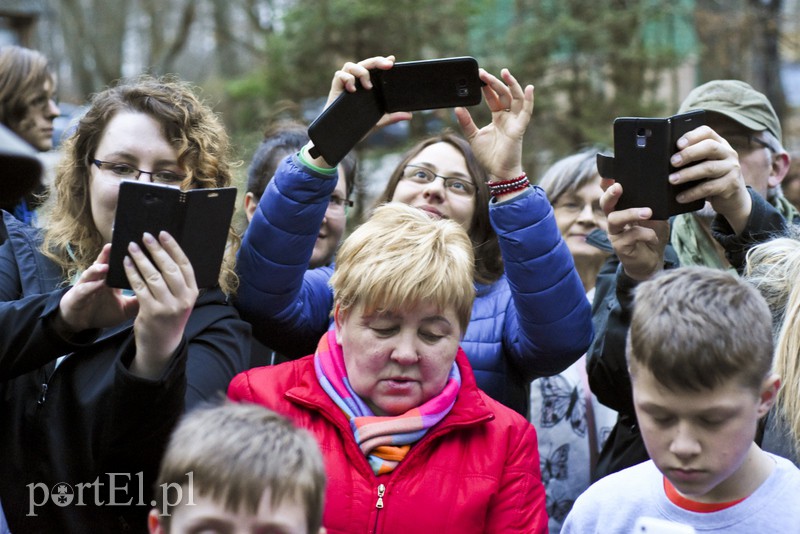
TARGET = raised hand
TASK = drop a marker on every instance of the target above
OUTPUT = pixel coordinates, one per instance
(718, 175)
(345, 78)
(638, 241)
(498, 145)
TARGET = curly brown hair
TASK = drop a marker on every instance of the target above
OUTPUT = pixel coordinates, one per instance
(71, 238)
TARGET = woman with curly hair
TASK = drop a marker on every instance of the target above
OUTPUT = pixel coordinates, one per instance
(92, 378)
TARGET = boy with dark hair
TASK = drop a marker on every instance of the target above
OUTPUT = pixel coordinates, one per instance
(239, 468)
(700, 357)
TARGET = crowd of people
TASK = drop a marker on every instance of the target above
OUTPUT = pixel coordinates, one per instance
(486, 352)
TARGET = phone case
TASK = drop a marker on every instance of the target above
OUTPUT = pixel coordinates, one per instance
(345, 122)
(642, 150)
(430, 84)
(199, 219)
(407, 86)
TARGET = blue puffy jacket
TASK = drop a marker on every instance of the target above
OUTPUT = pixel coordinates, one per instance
(534, 321)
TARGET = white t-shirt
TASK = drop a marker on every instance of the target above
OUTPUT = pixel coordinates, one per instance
(614, 503)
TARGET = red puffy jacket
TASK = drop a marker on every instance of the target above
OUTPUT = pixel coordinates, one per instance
(475, 471)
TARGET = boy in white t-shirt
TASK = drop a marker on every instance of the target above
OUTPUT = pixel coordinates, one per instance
(700, 355)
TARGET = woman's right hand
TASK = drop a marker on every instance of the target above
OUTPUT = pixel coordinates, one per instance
(345, 80)
(91, 304)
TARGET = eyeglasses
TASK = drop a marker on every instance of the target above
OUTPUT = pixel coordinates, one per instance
(339, 204)
(570, 204)
(746, 142)
(423, 175)
(125, 171)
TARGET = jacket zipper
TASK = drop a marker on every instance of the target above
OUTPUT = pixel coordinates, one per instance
(378, 506)
(42, 394)
(381, 491)
(45, 386)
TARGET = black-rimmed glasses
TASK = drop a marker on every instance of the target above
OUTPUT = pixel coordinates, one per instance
(125, 171)
(423, 175)
(744, 142)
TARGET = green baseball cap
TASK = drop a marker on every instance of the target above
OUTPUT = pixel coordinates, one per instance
(737, 100)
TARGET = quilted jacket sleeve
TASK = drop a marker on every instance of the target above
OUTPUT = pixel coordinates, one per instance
(287, 304)
(550, 325)
(520, 503)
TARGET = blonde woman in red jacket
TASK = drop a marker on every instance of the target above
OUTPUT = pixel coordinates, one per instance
(410, 443)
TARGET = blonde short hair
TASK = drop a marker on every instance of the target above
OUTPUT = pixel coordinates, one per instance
(402, 257)
(236, 452)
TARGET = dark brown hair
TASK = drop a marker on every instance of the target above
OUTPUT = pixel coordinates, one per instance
(488, 261)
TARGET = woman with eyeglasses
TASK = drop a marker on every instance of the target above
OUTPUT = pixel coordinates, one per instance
(530, 317)
(92, 379)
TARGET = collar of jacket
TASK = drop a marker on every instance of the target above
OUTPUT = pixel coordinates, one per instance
(469, 409)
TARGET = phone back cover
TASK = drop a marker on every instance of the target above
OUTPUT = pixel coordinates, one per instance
(340, 126)
(430, 84)
(642, 150)
(198, 219)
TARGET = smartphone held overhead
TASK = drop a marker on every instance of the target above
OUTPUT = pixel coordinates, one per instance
(641, 162)
(407, 86)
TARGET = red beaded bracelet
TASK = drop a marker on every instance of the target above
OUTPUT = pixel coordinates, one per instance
(508, 186)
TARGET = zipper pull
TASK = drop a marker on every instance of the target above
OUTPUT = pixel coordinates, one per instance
(42, 395)
(381, 491)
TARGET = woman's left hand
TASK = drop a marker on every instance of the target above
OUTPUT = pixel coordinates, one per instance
(166, 291)
(498, 145)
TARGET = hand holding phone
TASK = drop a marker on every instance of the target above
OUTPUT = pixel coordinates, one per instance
(198, 219)
(408, 86)
(641, 162)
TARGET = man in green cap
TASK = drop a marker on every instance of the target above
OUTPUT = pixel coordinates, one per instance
(736, 162)
(746, 120)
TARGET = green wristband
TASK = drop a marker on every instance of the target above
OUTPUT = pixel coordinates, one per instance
(305, 160)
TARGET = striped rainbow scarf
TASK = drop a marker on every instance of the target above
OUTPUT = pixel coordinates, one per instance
(385, 441)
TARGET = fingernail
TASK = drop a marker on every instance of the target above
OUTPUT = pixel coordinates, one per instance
(680, 198)
(673, 178)
(148, 238)
(682, 142)
(675, 159)
(134, 247)
(127, 261)
(644, 213)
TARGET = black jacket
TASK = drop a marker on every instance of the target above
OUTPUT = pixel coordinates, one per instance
(606, 365)
(86, 431)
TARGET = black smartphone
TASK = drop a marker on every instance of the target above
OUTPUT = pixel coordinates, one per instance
(407, 86)
(198, 219)
(430, 84)
(642, 151)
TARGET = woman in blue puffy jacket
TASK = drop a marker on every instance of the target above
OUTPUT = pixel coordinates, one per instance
(530, 317)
